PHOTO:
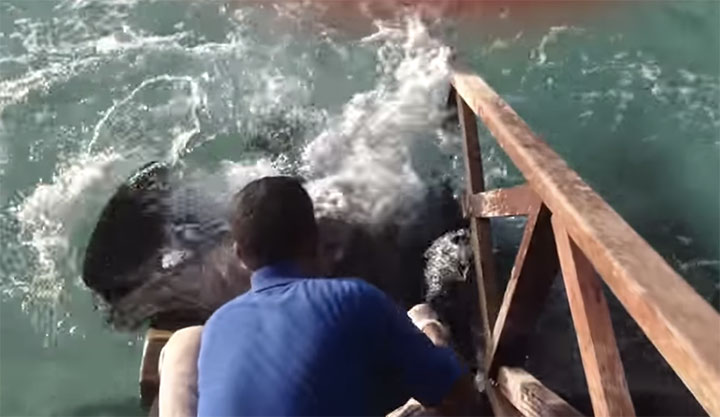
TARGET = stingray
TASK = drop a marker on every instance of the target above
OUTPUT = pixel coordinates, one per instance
(158, 255)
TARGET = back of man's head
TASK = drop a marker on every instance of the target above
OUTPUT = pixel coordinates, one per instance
(274, 221)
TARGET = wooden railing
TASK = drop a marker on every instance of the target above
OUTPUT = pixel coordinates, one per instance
(572, 229)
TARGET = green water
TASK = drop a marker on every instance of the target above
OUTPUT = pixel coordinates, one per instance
(629, 94)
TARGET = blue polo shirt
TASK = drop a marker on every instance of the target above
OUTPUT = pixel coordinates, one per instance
(294, 345)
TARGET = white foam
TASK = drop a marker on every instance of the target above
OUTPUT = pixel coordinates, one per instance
(362, 164)
(126, 39)
(540, 53)
(235, 175)
(49, 217)
(4, 160)
(691, 98)
(16, 90)
(698, 263)
(160, 132)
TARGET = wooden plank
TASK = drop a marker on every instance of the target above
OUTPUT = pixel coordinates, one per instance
(500, 404)
(530, 396)
(471, 148)
(503, 202)
(149, 376)
(596, 338)
(480, 228)
(680, 323)
(535, 268)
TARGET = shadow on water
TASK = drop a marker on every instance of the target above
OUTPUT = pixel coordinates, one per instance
(125, 407)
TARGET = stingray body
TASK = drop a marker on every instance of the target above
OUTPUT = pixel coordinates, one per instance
(147, 260)
(158, 255)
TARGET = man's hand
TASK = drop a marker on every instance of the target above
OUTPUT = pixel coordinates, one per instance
(426, 319)
(463, 398)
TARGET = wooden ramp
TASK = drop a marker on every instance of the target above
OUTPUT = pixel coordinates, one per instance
(569, 227)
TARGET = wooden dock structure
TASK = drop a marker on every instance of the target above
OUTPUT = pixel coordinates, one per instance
(571, 229)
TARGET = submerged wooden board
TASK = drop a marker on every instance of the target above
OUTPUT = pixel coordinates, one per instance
(155, 340)
(680, 323)
(598, 348)
(530, 396)
(500, 404)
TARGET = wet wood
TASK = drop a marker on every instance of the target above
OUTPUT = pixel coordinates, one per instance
(530, 396)
(155, 340)
(481, 238)
(500, 404)
(678, 321)
(535, 268)
(502, 202)
(598, 348)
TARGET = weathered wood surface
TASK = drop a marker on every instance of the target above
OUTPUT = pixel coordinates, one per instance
(503, 202)
(530, 396)
(680, 323)
(598, 348)
(149, 375)
(500, 404)
(481, 238)
(536, 266)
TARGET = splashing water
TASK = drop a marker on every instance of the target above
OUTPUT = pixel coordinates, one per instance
(362, 164)
(92, 90)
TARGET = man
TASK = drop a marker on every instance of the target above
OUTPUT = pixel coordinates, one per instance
(296, 344)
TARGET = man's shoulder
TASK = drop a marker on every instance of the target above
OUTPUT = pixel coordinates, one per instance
(350, 292)
(347, 285)
(230, 309)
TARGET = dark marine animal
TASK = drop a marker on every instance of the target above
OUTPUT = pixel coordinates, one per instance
(159, 253)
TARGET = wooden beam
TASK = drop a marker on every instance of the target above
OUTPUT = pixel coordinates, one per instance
(503, 202)
(500, 404)
(481, 238)
(149, 376)
(535, 268)
(596, 338)
(471, 148)
(678, 321)
(530, 396)
(531, 277)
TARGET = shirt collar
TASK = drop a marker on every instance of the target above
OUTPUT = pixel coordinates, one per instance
(279, 273)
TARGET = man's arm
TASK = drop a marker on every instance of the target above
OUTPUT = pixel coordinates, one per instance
(431, 374)
(463, 399)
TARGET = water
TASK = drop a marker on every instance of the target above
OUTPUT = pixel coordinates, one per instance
(628, 92)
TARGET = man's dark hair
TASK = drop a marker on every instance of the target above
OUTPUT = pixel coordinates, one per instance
(274, 221)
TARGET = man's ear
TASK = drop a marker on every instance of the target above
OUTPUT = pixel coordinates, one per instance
(240, 258)
(237, 250)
